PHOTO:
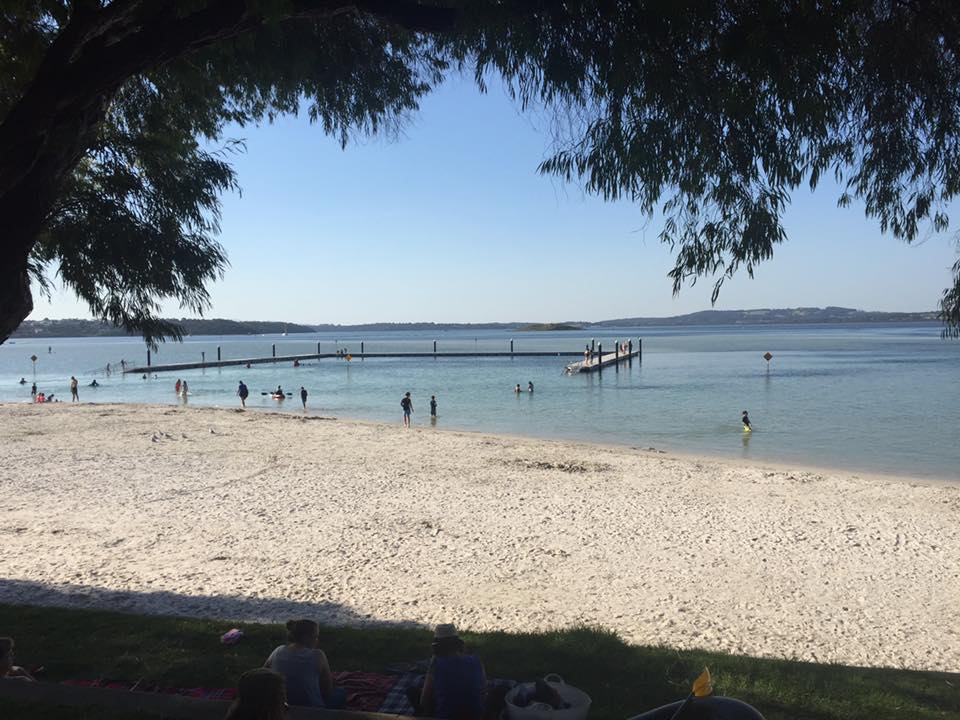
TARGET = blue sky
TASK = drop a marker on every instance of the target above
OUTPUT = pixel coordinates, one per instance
(450, 222)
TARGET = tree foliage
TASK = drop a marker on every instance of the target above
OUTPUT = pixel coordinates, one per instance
(712, 112)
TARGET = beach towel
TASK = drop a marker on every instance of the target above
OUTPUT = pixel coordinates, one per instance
(365, 691)
(397, 702)
(201, 693)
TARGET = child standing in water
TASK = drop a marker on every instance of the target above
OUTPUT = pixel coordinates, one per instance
(746, 422)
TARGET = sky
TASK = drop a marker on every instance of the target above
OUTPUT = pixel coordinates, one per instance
(449, 221)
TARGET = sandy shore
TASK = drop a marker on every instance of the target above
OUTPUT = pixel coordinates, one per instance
(262, 516)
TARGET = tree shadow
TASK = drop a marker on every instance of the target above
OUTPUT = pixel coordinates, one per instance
(163, 602)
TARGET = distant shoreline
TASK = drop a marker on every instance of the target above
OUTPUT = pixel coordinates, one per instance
(215, 326)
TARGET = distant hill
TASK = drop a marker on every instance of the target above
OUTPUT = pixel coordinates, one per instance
(768, 316)
(413, 326)
(213, 326)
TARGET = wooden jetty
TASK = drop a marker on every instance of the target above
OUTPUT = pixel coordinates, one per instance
(173, 367)
(599, 360)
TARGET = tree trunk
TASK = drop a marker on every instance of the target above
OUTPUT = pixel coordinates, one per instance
(48, 130)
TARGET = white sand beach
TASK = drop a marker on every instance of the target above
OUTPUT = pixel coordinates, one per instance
(250, 515)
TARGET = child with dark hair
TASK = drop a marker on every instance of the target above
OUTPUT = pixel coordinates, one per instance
(7, 668)
(305, 668)
(260, 696)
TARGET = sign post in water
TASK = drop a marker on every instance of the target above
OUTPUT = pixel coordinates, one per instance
(768, 356)
(33, 359)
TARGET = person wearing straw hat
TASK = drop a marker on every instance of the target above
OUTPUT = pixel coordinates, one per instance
(456, 684)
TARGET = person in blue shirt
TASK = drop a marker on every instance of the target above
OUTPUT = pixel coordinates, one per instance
(456, 684)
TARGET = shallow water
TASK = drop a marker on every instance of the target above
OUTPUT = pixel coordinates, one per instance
(879, 398)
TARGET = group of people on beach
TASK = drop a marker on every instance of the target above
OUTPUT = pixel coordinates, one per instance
(298, 673)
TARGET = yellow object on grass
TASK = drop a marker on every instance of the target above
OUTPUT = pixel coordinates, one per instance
(703, 685)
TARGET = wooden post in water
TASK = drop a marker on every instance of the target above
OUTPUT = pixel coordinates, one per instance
(593, 345)
(203, 357)
(630, 351)
(218, 353)
(273, 351)
(640, 349)
(318, 348)
(511, 346)
(600, 357)
(361, 348)
(434, 348)
(148, 357)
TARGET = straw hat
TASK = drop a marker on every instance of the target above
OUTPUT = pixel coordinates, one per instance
(445, 631)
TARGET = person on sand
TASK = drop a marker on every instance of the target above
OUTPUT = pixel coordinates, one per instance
(261, 695)
(747, 427)
(74, 390)
(243, 392)
(303, 396)
(455, 687)
(305, 669)
(7, 668)
(407, 404)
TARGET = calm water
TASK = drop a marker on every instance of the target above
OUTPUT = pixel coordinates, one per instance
(874, 398)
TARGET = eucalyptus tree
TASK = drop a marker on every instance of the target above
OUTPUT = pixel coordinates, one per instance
(712, 111)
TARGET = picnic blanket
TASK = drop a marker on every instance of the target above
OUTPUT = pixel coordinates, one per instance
(367, 692)
(201, 693)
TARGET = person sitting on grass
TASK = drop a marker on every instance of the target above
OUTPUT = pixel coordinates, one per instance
(305, 668)
(260, 696)
(456, 684)
(7, 668)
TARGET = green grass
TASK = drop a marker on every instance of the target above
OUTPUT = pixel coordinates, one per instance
(622, 679)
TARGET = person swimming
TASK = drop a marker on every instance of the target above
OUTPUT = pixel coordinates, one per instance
(747, 427)
(94, 383)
